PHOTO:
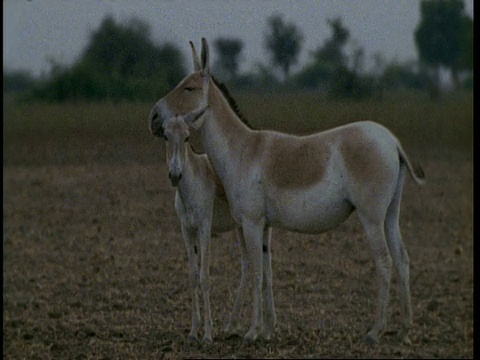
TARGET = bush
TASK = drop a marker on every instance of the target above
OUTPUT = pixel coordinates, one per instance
(17, 82)
(120, 63)
(346, 84)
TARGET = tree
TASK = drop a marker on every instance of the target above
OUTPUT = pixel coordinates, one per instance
(128, 50)
(228, 51)
(284, 42)
(120, 62)
(17, 81)
(332, 51)
(403, 76)
(465, 60)
(328, 60)
(444, 37)
(329, 69)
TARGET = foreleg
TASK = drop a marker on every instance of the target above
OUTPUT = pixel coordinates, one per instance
(204, 240)
(240, 298)
(194, 283)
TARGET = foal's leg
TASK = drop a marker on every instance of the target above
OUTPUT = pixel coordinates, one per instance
(400, 256)
(240, 299)
(383, 262)
(194, 284)
(270, 317)
(253, 233)
(204, 240)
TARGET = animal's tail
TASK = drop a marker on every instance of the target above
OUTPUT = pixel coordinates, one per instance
(416, 172)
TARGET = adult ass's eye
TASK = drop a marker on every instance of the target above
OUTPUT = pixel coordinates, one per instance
(187, 138)
(189, 88)
(165, 137)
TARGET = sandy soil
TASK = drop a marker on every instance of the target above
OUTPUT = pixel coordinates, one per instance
(94, 266)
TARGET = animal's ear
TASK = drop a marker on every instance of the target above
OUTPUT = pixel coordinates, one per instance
(196, 59)
(205, 65)
(155, 124)
(192, 117)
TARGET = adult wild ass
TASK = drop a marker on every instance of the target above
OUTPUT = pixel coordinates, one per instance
(201, 206)
(306, 184)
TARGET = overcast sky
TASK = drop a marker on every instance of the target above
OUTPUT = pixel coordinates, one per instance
(37, 30)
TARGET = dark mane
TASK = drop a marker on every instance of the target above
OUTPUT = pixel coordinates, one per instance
(231, 101)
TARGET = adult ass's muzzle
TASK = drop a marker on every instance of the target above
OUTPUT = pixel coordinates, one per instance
(156, 117)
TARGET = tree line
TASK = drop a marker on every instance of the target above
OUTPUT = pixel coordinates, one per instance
(122, 62)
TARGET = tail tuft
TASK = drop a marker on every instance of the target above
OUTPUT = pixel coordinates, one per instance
(418, 174)
(416, 171)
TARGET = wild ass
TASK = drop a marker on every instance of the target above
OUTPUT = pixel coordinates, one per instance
(307, 184)
(201, 206)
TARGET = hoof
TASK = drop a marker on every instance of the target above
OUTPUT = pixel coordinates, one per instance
(207, 339)
(371, 340)
(266, 335)
(232, 336)
(405, 340)
(192, 339)
(230, 331)
(250, 337)
(403, 337)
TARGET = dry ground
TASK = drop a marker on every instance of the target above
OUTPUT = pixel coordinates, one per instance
(94, 265)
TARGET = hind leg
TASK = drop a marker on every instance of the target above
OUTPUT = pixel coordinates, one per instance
(401, 261)
(270, 317)
(383, 262)
(400, 258)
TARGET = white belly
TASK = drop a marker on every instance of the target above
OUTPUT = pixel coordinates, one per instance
(309, 211)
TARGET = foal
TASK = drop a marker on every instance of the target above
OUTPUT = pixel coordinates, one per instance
(201, 206)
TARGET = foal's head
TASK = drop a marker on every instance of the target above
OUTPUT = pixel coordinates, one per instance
(175, 131)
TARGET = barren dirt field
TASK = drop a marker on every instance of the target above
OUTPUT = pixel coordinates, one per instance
(94, 265)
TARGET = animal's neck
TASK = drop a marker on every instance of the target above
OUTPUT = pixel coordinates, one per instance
(223, 133)
(229, 124)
